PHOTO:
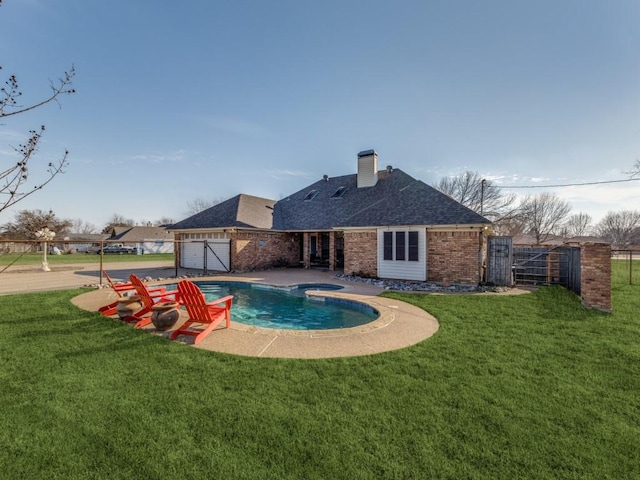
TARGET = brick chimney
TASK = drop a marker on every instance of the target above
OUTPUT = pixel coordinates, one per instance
(367, 168)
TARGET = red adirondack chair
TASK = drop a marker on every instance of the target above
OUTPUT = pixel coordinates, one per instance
(119, 289)
(202, 315)
(149, 297)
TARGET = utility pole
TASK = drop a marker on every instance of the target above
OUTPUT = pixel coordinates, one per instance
(482, 183)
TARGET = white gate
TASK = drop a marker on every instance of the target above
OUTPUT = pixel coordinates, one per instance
(207, 255)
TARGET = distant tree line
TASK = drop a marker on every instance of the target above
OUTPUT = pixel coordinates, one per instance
(542, 215)
(26, 222)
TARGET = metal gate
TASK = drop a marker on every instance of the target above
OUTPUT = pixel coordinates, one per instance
(499, 261)
(547, 266)
(508, 265)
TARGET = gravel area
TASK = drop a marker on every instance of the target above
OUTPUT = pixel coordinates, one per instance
(413, 286)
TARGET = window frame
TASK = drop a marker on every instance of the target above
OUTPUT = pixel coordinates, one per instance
(401, 245)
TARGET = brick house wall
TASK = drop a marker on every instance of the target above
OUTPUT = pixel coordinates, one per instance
(361, 253)
(453, 256)
(595, 275)
(256, 250)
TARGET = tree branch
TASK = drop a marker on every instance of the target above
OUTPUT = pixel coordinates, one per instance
(11, 92)
(635, 172)
(17, 175)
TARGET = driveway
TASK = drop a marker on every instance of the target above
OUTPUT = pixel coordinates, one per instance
(33, 279)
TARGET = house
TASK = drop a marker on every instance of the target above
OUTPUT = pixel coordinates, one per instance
(375, 223)
(83, 242)
(147, 239)
(552, 241)
(528, 240)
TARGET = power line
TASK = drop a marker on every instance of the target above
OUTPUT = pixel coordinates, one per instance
(568, 184)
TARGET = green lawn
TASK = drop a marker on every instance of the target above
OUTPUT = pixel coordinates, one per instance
(531, 386)
(15, 259)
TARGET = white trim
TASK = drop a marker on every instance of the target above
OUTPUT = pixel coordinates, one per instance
(357, 230)
(458, 228)
(211, 235)
(447, 228)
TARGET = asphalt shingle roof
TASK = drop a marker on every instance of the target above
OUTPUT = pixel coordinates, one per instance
(397, 199)
(138, 234)
(242, 211)
(86, 237)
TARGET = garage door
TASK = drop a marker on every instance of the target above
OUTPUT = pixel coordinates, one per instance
(217, 255)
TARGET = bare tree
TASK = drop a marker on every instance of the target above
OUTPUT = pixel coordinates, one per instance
(510, 225)
(200, 204)
(483, 197)
(118, 220)
(577, 225)
(543, 215)
(14, 178)
(80, 226)
(635, 171)
(620, 228)
(164, 221)
(27, 222)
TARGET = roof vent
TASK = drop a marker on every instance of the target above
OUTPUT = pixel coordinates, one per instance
(389, 169)
(326, 178)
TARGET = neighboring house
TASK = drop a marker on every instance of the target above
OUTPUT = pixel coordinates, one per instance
(585, 239)
(146, 239)
(117, 231)
(83, 242)
(550, 241)
(374, 223)
(635, 248)
(527, 240)
(9, 246)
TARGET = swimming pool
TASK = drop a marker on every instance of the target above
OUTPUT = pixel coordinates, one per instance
(289, 308)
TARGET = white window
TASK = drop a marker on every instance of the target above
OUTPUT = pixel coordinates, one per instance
(401, 246)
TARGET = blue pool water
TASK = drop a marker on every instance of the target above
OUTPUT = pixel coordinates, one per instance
(289, 308)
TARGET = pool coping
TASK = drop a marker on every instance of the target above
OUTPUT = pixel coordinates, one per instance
(399, 324)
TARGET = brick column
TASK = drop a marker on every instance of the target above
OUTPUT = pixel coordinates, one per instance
(595, 275)
(332, 250)
(305, 250)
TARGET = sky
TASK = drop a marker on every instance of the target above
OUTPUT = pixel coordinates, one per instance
(206, 99)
